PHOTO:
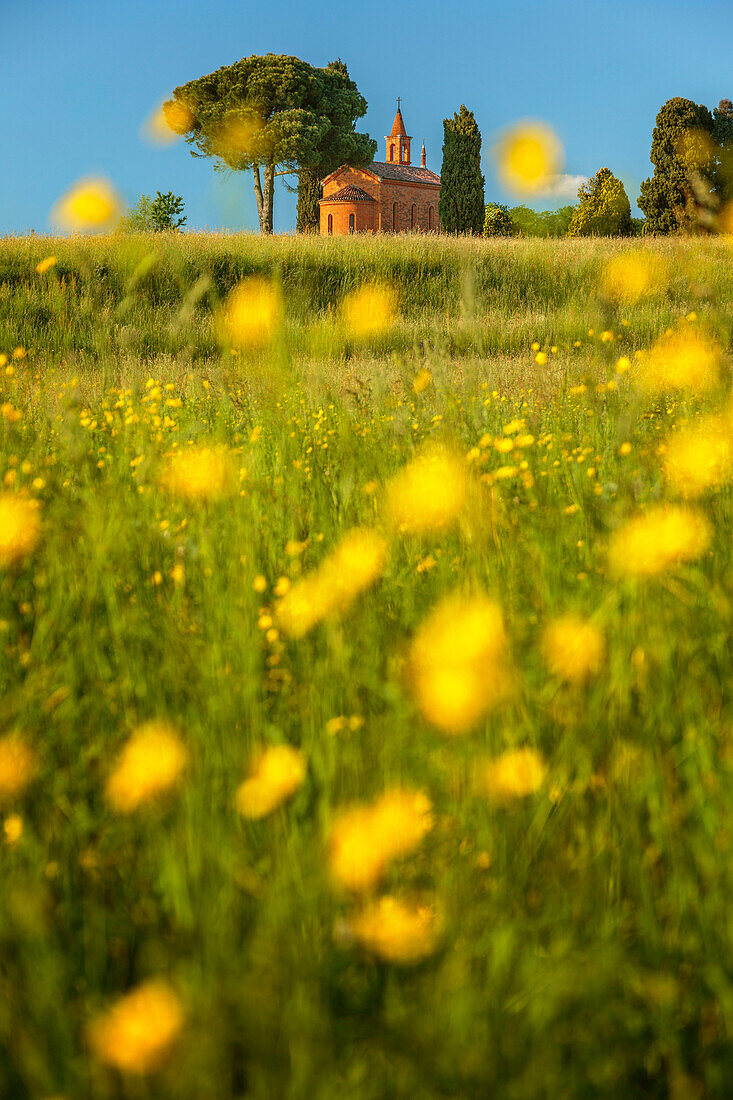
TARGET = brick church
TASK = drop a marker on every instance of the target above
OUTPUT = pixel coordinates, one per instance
(391, 196)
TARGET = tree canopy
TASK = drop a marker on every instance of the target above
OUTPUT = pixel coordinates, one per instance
(273, 113)
(683, 155)
(341, 145)
(603, 208)
(498, 221)
(461, 204)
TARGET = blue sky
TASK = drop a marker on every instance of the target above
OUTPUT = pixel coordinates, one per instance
(79, 76)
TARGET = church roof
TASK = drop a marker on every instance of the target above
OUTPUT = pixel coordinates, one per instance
(408, 173)
(350, 193)
(398, 126)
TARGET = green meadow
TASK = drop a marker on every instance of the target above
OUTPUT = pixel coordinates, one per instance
(574, 929)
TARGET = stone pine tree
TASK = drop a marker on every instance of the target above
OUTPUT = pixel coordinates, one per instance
(272, 115)
(340, 144)
(461, 205)
(683, 157)
(603, 208)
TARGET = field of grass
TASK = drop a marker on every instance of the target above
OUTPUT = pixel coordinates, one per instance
(523, 685)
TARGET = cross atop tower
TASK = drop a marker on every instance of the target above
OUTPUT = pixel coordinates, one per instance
(399, 100)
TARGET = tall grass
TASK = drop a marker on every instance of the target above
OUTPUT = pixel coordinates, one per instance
(584, 929)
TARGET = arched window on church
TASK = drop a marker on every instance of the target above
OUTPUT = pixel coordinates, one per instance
(394, 217)
(330, 224)
(351, 223)
(404, 153)
(413, 214)
(430, 217)
(391, 152)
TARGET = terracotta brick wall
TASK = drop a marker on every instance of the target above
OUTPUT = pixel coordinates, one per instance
(365, 217)
(387, 192)
(405, 195)
(351, 177)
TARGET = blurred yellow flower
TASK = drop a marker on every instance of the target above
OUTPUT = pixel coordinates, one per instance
(135, 1034)
(17, 766)
(364, 839)
(355, 564)
(13, 828)
(369, 311)
(276, 775)
(657, 540)
(429, 493)
(422, 380)
(541, 358)
(199, 473)
(252, 314)
(529, 155)
(150, 763)
(89, 204)
(19, 528)
(46, 265)
(514, 774)
(680, 360)
(700, 457)
(573, 648)
(457, 662)
(167, 123)
(631, 275)
(178, 116)
(240, 137)
(396, 932)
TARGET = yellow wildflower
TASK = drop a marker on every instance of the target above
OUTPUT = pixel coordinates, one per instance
(457, 662)
(13, 828)
(700, 457)
(428, 494)
(422, 380)
(167, 122)
(657, 540)
(514, 774)
(631, 275)
(541, 358)
(150, 764)
(364, 839)
(573, 648)
(354, 565)
(529, 156)
(89, 204)
(276, 775)
(19, 528)
(135, 1034)
(46, 265)
(253, 313)
(199, 473)
(396, 932)
(369, 311)
(682, 359)
(17, 766)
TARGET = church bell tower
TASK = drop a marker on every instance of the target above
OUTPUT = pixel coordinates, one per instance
(398, 140)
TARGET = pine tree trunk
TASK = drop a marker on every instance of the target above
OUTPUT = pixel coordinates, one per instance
(258, 193)
(269, 198)
(265, 197)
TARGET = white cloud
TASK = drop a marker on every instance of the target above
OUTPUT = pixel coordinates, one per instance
(563, 186)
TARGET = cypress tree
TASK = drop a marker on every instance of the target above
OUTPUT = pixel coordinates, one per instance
(461, 205)
(723, 138)
(682, 155)
(309, 193)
